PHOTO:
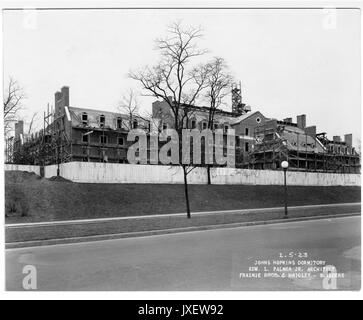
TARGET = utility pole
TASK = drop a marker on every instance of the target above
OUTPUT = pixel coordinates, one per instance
(285, 166)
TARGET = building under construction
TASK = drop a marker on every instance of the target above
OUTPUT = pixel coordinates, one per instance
(302, 147)
(80, 134)
(75, 134)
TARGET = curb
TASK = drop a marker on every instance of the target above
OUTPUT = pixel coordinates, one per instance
(53, 242)
(205, 213)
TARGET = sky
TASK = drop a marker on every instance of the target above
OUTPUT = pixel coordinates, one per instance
(290, 62)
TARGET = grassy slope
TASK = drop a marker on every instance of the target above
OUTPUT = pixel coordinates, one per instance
(45, 200)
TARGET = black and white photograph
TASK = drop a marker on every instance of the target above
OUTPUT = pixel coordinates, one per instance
(181, 149)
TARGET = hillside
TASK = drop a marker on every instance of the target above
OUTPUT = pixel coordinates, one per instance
(30, 198)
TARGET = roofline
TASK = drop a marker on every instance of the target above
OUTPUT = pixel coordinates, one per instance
(93, 110)
(250, 114)
(204, 108)
(105, 112)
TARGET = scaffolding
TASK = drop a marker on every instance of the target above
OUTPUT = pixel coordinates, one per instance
(51, 145)
(273, 145)
(55, 146)
(237, 106)
(9, 150)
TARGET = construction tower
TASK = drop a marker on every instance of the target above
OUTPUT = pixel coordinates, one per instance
(238, 107)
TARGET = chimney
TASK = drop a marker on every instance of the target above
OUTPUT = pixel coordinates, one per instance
(348, 138)
(311, 131)
(19, 129)
(65, 96)
(301, 121)
(57, 98)
(61, 99)
(337, 139)
(288, 120)
(57, 101)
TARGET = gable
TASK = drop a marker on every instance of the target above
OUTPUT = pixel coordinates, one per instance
(249, 117)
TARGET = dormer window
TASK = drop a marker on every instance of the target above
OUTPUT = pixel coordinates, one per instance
(204, 125)
(102, 121)
(226, 127)
(119, 123)
(135, 124)
(194, 124)
(84, 118)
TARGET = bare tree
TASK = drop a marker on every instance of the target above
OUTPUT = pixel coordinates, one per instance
(219, 82)
(129, 106)
(31, 123)
(175, 81)
(13, 96)
(157, 120)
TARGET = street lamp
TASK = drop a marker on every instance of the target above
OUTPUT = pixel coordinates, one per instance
(285, 166)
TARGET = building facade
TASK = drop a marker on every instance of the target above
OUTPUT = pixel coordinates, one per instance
(81, 134)
(305, 150)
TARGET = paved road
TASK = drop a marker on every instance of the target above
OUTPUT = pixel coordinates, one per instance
(209, 260)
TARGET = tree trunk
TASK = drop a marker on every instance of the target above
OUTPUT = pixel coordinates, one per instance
(209, 175)
(186, 191)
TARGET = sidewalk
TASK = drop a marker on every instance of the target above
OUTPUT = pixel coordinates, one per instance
(29, 234)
